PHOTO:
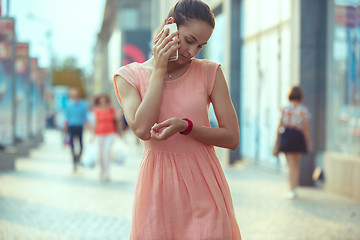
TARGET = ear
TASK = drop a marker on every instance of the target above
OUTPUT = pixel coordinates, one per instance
(170, 20)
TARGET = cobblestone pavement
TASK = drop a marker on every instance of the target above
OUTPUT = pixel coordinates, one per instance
(44, 200)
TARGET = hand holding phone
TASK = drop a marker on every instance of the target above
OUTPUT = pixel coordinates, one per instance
(172, 28)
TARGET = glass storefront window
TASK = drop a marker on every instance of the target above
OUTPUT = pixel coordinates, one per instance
(285, 9)
(344, 79)
(250, 20)
(269, 12)
(266, 77)
(285, 67)
(248, 96)
(215, 50)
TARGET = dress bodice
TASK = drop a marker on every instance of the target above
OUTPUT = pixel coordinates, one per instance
(187, 96)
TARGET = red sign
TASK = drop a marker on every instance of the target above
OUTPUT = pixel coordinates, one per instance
(34, 69)
(5, 50)
(22, 56)
(347, 16)
(42, 76)
(22, 49)
(133, 53)
(7, 37)
(7, 26)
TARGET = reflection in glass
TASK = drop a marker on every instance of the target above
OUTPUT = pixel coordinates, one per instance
(344, 87)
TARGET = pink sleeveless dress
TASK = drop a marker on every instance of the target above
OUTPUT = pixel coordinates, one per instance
(181, 191)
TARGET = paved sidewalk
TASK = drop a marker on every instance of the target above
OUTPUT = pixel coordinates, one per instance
(44, 200)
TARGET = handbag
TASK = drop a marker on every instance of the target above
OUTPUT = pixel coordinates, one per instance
(277, 146)
(119, 151)
(91, 154)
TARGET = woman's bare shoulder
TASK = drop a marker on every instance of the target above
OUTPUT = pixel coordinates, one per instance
(148, 64)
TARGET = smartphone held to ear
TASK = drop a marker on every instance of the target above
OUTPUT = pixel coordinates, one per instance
(172, 28)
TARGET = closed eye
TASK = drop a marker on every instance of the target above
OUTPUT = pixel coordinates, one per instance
(193, 42)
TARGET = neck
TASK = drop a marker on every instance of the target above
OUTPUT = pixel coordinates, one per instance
(174, 69)
(173, 66)
(296, 103)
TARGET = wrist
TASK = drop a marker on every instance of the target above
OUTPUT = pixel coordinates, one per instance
(184, 126)
(159, 71)
(189, 126)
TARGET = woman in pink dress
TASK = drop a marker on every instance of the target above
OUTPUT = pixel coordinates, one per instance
(181, 191)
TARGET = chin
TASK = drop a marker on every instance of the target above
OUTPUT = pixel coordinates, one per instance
(183, 59)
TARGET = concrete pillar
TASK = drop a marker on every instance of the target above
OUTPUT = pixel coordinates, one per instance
(235, 67)
(313, 33)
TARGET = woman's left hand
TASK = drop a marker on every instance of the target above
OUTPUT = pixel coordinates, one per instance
(166, 129)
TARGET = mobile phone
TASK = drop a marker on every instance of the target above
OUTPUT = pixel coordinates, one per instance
(172, 28)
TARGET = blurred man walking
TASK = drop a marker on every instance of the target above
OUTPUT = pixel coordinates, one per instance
(75, 115)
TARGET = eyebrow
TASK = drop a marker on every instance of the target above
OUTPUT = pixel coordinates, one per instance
(193, 37)
(196, 39)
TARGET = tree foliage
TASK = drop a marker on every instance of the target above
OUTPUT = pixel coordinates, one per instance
(69, 74)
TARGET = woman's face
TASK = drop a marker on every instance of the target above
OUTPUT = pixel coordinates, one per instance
(102, 101)
(193, 36)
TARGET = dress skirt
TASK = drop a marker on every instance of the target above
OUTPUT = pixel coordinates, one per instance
(183, 196)
(292, 141)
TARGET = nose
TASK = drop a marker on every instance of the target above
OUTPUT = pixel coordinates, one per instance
(193, 51)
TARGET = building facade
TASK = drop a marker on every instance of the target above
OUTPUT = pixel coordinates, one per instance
(342, 158)
(270, 67)
(124, 37)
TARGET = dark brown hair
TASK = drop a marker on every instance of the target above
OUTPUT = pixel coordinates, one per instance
(98, 97)
(184, 10)
(296, 94)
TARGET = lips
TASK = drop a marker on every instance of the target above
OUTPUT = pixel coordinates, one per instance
(185, 58)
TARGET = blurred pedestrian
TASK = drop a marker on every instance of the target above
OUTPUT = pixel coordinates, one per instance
(104, 129)
(181, 192)
(75, 118)
(295, 135)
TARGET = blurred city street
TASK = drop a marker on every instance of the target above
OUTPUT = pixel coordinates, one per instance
(44, 199)
(265, 49)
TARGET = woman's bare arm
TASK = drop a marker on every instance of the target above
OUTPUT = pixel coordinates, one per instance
(142, 114)
(227, 135)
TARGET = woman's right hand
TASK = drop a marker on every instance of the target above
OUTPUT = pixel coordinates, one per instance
(163, 47)
(167, 128)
